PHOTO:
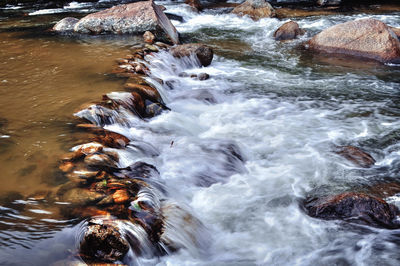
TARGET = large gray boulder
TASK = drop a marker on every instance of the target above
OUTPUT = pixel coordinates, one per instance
(135, 18)
(368, 38)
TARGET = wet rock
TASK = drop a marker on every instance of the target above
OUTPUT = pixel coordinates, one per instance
(153, 110)
(103, 243)
(203, 52)
(120, 196)
(146, 92)
(354, 207)
(256, 9)
(203, 76)
(288, 31)
(81, 196)
(142, 170)
(99, 160)
(367, 38)
(66, 167)
(195, 4)
(110, 139)
(356, 155)
(152, 48)
(66, 24)
(81, 175)
(329, 2)
(132, 18)
(149, 37)
(88, 148)
(384, 190)
(396, 31)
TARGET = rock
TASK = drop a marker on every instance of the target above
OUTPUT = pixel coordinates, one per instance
(195, 4)
(152, 48)
(132, 18)
(88, 148)
(354, 207)
(99, 160)
(142, 170)
(153, 110)
(111, 139)
(367, 38)
(81, 197)
(120, 196)
(146, 92)
(104, 243)
(66, 167)
(329, 2)
(203, 95)
(356, 155)
(288, 31)
(384, 190)
(256, 9)
(203, 52)
(396, 31)
(149, 37)
(66, 24)
(203, 76)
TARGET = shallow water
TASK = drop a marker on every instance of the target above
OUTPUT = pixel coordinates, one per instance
(241, 160)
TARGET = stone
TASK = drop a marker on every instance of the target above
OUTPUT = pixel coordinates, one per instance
(153, 110)
(288, 31)
(99, 160)
(255, 9)
(365, 38)
(396, 31)
(329, 2)
(149, 37)
(80, 196)
(203, 76)
(195, 4)
(66, 24)
(134, 18)
(120, 196)
(203, 52)
(356, 156)
(103, 242)
(354, 207)
(66, 167)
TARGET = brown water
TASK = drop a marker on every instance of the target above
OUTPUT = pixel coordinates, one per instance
(43, 81)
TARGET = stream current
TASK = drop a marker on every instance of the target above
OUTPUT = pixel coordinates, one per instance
(240, 149)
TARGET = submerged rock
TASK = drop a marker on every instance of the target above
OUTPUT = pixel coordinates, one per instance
(256, 9)
(367, 38)
(132, 18)
(103, 243)
(356, 155)
(66, 24)
(203, 52)
(354, 207)
(288, 31)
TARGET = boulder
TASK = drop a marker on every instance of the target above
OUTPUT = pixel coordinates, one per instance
(288, 31)
(356, 155)
(354, 207)
(135, 18)
(256, 9)
(203, 52)
(103, 243)
(66, 24)
(367, 38)
(195, 4)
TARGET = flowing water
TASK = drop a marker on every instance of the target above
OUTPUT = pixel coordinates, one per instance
(240, 150)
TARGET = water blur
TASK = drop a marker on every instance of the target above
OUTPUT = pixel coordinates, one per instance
(238, 150)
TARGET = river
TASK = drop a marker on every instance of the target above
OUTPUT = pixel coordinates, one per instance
(279, 107)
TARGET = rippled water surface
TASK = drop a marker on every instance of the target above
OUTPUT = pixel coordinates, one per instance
(276, 105)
